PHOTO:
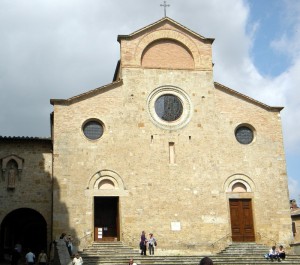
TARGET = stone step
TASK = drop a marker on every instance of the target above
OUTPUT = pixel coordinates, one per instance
(182, 260)
(191, 262)
(164, 258)
(111, 253)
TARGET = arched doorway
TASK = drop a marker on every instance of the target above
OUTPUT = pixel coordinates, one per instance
(25, 226)
(106, 187)
(239, 190)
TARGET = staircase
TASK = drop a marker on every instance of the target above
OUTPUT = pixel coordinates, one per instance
(117, 253)
(248, 254)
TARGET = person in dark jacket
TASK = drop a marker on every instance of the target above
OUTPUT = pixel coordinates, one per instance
(143, 243)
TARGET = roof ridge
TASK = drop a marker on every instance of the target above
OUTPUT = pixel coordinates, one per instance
(159, 21)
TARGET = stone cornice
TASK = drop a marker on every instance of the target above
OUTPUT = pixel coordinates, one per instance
(246, 98)
(87, 94)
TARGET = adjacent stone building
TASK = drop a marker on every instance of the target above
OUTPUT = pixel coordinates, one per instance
(163, 148)
(25, 192)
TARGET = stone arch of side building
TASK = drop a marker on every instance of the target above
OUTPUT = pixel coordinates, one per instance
(239, 190)
(25, 227)
(104, 190)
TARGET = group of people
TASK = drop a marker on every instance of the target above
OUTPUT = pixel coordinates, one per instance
(30, 257)
(76, 258)
(276, 254)
(150, 242)
(69, 242)
(42, 258)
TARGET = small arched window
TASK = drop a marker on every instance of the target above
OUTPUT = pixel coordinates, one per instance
(106, 184)
(239, 187)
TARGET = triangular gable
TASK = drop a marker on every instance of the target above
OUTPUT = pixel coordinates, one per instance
(161, 21)
(140, 48)
(246, 98)
(87, 94)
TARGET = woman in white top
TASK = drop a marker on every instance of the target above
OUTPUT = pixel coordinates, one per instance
(77, 260)
(152, 244)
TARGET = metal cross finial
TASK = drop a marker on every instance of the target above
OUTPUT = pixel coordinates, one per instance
(165, 7)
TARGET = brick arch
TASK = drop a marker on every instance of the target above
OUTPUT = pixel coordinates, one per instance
(167, 53)
(169, 35)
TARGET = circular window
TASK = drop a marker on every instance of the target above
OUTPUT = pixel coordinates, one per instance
(93, 130)
(168, 107)
(244, 134)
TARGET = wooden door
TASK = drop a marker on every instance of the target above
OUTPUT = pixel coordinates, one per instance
(106, 218)
(241, 220)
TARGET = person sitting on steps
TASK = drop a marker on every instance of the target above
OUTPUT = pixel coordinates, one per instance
(281, 253)
(273, 254)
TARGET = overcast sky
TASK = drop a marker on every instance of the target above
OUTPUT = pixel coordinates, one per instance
(62, 48)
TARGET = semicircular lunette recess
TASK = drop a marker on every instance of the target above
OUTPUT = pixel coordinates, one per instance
(167, 54)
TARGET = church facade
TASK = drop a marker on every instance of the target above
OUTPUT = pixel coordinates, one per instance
(163, 148)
